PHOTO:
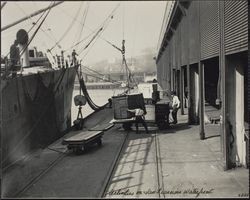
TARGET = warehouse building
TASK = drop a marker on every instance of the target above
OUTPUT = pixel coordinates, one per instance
(203, 55)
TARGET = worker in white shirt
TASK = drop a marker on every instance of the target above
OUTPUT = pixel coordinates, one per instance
(139, 118)
(176, 105)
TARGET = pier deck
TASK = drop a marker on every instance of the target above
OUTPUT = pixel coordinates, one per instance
(166, 163)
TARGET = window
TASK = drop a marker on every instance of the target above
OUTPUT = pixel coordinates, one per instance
(31, 53)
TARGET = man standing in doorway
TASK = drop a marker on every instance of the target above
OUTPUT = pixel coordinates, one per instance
(175, 105)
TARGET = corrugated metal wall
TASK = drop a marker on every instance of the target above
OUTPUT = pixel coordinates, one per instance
(164, 71)
(159, 67)
(171, 62)
(236, 26)
(159, 71)
(166, 75)
(203, 19)
(193, 23)
(163, 68)
(209, 29)
(173, 51)
(184, 41)
(178, 47)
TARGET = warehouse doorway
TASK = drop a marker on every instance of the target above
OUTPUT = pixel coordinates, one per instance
(211, 93)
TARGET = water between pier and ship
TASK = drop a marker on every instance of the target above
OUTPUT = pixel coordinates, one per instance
(99, 97)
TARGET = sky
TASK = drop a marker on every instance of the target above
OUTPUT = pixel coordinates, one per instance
(138, 22)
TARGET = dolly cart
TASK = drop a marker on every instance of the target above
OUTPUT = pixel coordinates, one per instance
(82, 140)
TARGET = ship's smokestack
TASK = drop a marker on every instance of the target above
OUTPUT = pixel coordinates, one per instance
(22, 39)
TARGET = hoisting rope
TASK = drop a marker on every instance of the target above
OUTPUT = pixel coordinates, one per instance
(122, 50)
(101, 29)
(129, 75)
(93, 31)
(91, 41)
(78, 42)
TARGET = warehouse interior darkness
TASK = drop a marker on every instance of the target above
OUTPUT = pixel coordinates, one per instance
(211, 75)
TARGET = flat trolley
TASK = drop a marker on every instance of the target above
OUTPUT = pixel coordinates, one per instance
(82, 140)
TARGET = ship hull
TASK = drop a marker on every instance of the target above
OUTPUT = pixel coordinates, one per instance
(36, 110)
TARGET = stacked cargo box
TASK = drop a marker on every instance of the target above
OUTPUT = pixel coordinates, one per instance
(162, 111)
(125, 102)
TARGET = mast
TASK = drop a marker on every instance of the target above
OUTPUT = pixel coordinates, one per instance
(125, 62)
(29, 16)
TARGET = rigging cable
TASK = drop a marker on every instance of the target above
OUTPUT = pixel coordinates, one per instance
(52, 37)
(32, 37)
(78, 28)
(110, 80)
(67, 30)
(93, 31)
(98, 34)
(103, 27)
(123, 16)
(32, 22)
(79, 42)
(93, 71)
(31, 15)
(134, 38)
(84, 20)
(128, 72)
(92, 39)
(33, 25)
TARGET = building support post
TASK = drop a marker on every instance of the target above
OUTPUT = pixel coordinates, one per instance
(182, 90)
(189, 95)
(222, 62)
(201, 100)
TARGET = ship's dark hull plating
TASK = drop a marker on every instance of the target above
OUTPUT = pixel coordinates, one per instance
(36, 110)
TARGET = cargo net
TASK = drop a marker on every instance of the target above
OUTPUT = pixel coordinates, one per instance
(86, 94)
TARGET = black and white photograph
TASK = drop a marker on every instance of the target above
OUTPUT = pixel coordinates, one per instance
(124, 99)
